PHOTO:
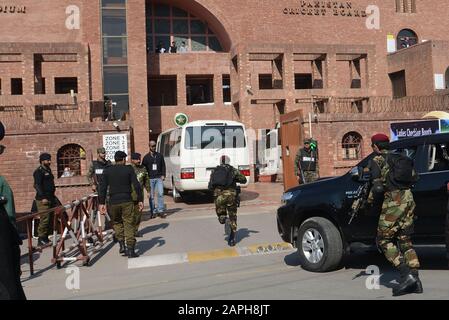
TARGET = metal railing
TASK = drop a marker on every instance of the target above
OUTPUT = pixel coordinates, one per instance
(369, 105)
(78, 221)
(20, 116)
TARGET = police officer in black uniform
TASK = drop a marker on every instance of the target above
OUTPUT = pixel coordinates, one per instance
(10, 285)
(44, 183)
(120, 178)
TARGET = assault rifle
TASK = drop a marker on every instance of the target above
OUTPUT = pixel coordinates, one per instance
(360, 201)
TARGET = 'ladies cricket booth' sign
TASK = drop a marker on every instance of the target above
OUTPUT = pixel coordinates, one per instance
(403, 130)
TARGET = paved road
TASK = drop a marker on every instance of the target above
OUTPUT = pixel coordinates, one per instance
(186, 257)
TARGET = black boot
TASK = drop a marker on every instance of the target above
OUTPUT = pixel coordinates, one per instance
(419, 288)
(231, 239)
(408, 282)
(131, 252)
(122, 249)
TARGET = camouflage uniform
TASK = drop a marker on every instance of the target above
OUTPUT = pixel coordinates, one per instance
(225, 200)
(144, 180)
(310, 172)
(396, 221)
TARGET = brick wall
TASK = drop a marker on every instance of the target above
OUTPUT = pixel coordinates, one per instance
(330, 130)
(23, 148)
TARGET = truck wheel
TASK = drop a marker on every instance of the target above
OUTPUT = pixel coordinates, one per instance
(320, 245)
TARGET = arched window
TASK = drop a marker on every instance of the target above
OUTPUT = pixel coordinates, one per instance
(71, 161)
(352, 146)
(406, 38)
(166, 24)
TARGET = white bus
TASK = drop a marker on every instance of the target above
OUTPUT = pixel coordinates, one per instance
(191, 153)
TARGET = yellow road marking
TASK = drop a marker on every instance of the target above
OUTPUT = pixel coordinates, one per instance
(201, 256)
(210, 255)
(269, 247)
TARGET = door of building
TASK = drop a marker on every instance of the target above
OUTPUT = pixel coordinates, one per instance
(291, 137)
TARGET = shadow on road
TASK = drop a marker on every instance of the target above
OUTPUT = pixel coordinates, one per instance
(169, 212)
(144, 246)
(97, 256)
(431, 258)
(102, 252)
(292, 259)
(248, 195)
(243, 233)
(153, 228)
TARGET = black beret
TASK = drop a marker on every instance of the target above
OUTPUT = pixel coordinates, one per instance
(136, 156)
(2, 131)
(44, 156)
(120, 155)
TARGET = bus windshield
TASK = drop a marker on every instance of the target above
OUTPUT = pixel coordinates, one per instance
(214, 137)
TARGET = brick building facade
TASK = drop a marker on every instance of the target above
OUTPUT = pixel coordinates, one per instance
(70, 67)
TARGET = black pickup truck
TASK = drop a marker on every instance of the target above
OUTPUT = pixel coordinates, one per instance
(315, 217)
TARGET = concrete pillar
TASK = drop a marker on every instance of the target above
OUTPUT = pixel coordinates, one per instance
(218, 90)
(28, 73)
(181, 89)
(137, 75)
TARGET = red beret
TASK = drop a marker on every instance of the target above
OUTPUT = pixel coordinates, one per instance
(380, 137)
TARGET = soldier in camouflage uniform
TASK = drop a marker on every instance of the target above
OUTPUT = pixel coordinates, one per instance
(144, 180)
(395, 222)
(225, 199)
(306, 160)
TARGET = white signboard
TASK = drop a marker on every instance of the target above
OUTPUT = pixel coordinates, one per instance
(391, 43)
(113, 143)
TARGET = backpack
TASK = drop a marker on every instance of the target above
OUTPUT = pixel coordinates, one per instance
(401, 174)
(222, 176)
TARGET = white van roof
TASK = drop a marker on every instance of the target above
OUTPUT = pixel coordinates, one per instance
(213, 123)
(200, 123)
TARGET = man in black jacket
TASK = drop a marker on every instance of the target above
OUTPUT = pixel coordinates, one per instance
(119, 179)
(44, 183)
(155, 164)
(10, 285)
(95, 173)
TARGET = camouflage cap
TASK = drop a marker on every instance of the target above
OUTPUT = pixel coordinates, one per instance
(101, 150)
